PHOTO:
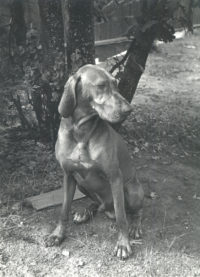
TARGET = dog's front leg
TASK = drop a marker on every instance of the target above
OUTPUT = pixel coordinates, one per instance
(58, 234)
(123, 248)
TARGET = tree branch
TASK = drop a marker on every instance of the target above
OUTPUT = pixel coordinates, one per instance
(122, 61)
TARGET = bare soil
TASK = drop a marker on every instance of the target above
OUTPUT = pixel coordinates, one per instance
(163, 136)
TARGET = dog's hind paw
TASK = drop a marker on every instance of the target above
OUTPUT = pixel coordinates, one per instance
(86, 214)
(136, 232)
(82, 217)
(53, 240)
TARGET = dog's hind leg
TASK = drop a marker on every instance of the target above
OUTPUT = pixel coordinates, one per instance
(135, 229)
(89, 212)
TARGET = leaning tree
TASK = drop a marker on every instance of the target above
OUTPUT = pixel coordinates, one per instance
(154, 21)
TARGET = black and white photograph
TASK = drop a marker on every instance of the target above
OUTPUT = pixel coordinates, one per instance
(99, 138)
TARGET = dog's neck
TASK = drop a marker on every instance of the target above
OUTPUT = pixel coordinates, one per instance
(84, 120)
(84, 125)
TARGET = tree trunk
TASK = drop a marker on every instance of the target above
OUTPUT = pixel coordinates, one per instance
(152, 22)
(135, 65)
(190, 16)
(17, 25)
(52, 28)
(24, 121)
(53, 50)
(79, 33)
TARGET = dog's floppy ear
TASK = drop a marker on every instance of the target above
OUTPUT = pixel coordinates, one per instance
(68, 99)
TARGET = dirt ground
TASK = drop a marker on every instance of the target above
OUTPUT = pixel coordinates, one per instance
(163, 136)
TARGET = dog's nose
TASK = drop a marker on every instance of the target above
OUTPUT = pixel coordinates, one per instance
(126, 108)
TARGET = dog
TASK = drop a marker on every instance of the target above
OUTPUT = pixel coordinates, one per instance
(94, 157)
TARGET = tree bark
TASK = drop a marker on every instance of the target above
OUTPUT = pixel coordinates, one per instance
(135, 65)
(53, 49)
(153, 21)
(51, 28)
(190, 16)
(18, 25)
(24, 121)
(78, 33)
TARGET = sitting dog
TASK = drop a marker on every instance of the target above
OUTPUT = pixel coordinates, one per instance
(94, 157)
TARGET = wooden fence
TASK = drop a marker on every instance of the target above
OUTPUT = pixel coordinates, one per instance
(120, 19)
(196, 16)
(123, 16)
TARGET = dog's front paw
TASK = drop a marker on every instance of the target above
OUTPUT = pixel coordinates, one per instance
(55, 238)
(123, 248)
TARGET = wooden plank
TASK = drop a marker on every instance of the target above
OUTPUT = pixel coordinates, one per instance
(106, 51)
(196, 26)
(111, 41)
(49, 199)
(117, 40)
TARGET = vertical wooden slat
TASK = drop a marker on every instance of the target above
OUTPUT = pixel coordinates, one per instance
(117, 26)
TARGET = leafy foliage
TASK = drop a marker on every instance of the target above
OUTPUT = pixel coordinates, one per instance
(155, 19)
(196, 3)
(44, 84)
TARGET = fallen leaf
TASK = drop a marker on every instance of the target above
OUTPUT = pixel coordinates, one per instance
(155, 158)
(80, 263)
(134, 241)
(136, 150)
(66, 253)
(190, 46)
(153, 195)
(196, 197)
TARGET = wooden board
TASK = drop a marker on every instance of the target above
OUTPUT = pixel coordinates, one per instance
(111, 41)
(49, 199)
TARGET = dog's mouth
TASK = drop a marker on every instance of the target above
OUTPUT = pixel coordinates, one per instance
(110, 113)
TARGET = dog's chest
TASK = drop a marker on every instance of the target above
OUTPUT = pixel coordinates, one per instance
(79, 158)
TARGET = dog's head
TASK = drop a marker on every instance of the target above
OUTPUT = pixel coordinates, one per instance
(98, 88)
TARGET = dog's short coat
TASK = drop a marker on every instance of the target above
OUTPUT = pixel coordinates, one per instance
(93, 156)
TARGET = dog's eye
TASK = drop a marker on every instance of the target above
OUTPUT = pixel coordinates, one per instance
(101, 86)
